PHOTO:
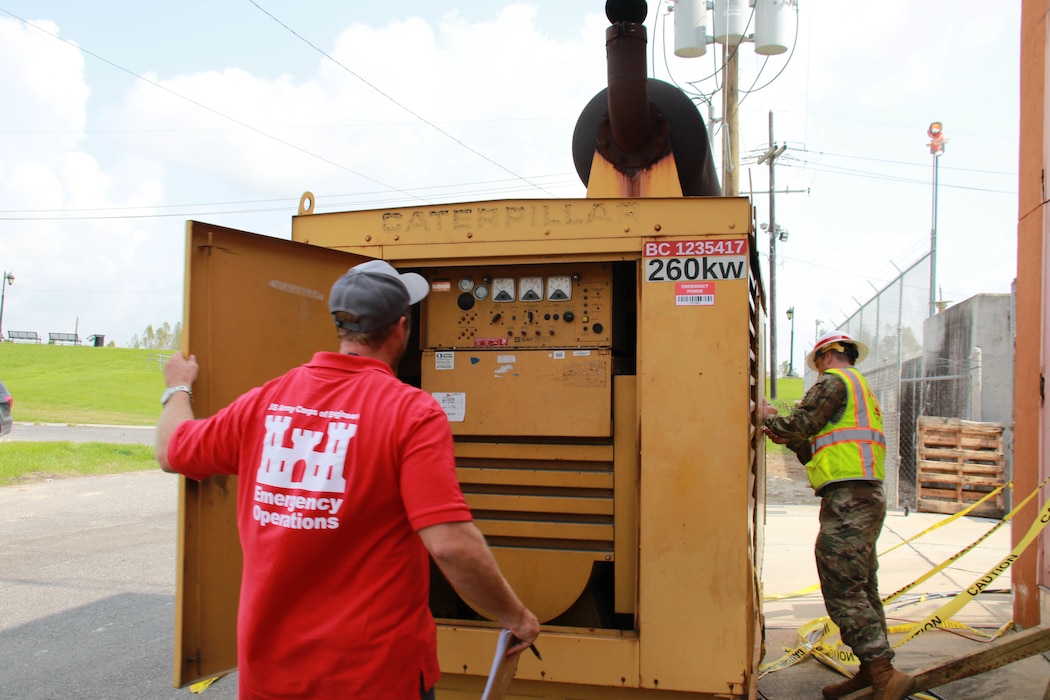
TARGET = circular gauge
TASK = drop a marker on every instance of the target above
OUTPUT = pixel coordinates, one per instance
(481, 292)
(530, 289)
(465, 284)
(503, 289)
(559, 288)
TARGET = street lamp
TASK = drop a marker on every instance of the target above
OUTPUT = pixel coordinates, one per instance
(791, 357)
(9, 279)
(937, 141)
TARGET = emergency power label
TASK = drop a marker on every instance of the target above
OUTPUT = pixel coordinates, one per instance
(694, 294)
(688, 261)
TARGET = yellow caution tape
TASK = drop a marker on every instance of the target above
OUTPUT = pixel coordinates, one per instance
(950, 624)
(812, 634)
(950, 519)
(794, 594)
(953, 625)
(200, 687)
(820, 653)
(809, 634)
(935, 526)
(937, 618)
(790, 659)
(958, 555)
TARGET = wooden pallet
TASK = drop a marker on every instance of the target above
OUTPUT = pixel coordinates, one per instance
(959, 463)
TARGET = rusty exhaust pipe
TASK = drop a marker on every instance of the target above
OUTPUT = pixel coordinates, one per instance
(625, 44)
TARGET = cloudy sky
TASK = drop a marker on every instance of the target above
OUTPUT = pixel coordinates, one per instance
(123, 119)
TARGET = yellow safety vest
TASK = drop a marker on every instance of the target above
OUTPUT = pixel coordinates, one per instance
(854, 447)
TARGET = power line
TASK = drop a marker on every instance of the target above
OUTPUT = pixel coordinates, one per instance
(898, 162)
(286, 127)
(391, 99)
(564, 179)
(206, 107)
(835, 170)
(451, 194)
(906, 127)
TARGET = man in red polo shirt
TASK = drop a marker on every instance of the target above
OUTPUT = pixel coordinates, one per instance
(346, 483)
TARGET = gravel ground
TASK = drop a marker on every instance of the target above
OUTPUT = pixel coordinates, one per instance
(786, 481)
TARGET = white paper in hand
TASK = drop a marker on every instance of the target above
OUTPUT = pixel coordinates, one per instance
(503, 669)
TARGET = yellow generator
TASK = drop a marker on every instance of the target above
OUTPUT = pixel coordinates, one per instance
(599, 360)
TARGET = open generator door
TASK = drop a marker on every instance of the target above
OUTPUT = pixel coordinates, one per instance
(255, 307)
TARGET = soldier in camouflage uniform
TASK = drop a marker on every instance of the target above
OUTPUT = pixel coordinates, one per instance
(836, 431)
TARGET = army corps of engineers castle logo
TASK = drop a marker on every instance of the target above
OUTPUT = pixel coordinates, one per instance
(292, 480)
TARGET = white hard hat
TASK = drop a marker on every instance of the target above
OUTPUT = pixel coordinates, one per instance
(835, 341)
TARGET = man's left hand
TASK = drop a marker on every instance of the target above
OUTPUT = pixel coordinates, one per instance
(774, 437)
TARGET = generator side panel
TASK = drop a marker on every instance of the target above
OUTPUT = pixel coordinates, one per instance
(697, 424)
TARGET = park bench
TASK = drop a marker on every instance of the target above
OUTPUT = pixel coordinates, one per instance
(25, 336)
(54, 338)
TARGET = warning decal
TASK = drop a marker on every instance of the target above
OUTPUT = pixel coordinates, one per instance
(694, 294)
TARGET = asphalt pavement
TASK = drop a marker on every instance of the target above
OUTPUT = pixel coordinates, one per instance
(54, 432)
(87, 586)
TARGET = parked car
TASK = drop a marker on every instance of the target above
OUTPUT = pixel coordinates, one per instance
(6, 422)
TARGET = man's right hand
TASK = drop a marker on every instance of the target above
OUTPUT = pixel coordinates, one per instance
(460, 551)
(180, 370)
(525, 632)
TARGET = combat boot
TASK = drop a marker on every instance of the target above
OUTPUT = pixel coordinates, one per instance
(889, 683)
(861, 680)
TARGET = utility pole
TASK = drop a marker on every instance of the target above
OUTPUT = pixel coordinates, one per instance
(730, 107)
(770, 156)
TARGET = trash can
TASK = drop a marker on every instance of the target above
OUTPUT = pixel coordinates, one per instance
(100, 340)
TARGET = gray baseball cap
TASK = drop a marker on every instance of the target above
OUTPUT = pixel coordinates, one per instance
(376, 294)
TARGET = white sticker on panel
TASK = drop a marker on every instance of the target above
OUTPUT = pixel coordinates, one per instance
(453, 403)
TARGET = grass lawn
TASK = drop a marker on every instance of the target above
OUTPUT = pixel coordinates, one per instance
(31, 461)
(82, 384)
(789, 392)
(78, 384)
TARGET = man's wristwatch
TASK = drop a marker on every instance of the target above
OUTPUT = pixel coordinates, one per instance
(172, 390)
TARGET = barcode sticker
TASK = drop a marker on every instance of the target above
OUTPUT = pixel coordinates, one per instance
(694, 294)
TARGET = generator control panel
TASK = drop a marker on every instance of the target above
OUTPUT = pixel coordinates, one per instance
(527, 306)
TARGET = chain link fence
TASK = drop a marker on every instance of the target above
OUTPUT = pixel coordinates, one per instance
(891, 325)
(944, 390)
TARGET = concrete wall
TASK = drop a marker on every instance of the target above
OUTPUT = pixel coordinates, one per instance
(975, 337)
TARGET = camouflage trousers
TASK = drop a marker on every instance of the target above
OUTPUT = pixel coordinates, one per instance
(851, 517)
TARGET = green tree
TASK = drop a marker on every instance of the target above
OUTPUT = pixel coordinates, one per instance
(164, 337)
